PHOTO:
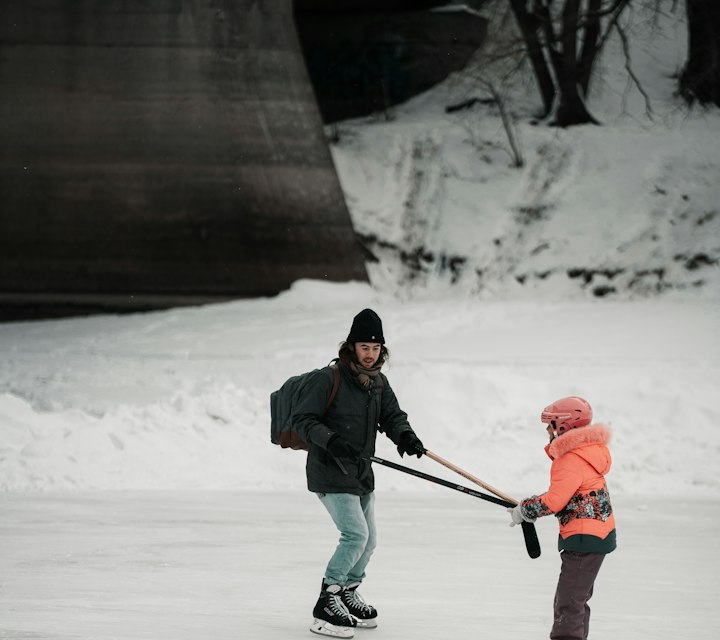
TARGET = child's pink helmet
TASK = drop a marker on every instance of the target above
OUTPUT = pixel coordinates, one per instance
(567, 413)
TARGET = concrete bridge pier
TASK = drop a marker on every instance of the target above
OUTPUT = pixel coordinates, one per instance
(160, 152)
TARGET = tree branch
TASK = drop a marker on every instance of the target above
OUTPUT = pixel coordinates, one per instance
(631, 73)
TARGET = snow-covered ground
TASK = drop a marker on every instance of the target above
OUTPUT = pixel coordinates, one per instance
(141, 497)
(179, 399)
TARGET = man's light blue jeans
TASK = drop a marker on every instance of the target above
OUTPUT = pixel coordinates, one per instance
(354, 517)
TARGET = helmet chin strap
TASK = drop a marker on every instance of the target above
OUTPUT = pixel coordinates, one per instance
(551, 430)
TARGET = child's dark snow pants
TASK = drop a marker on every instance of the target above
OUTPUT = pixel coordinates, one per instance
(574, 589)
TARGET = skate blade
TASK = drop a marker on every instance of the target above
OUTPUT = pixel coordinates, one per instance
(323, 628)
(371, 623)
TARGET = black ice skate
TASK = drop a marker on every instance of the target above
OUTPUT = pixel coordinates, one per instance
(331, 616)
(365, 614)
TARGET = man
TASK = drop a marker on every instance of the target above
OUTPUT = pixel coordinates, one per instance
(340, 441)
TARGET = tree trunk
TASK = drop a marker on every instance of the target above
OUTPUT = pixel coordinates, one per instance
(528, 27)
(571, 109)
(700, 80)
(591, 40)
(562, 72)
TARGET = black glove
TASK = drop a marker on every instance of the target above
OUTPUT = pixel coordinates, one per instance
(340, 448)
(410, 444)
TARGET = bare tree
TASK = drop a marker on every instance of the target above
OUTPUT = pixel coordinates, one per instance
(563, 39)
(700, 79)
(494, 68)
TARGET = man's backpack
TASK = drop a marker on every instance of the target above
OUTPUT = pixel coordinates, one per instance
(282, 409)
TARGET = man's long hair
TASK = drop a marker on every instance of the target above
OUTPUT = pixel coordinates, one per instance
(346, 353)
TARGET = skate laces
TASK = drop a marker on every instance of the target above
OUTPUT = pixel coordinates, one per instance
(337, 606)
(355, 600)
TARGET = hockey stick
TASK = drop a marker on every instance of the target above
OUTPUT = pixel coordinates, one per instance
(470, 476)
(440, 481)
(532, 544)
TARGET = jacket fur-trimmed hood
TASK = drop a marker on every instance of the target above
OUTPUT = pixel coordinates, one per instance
(580, 441)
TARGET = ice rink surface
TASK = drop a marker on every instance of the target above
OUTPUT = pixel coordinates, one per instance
(229, 565)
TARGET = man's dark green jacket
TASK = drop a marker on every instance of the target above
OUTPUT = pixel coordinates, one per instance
(356, 415)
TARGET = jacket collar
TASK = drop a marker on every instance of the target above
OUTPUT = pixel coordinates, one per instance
(576, 438)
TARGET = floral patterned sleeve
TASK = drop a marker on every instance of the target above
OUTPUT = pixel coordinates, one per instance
(534, 507)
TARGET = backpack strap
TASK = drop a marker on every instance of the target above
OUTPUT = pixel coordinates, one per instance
(335, 387)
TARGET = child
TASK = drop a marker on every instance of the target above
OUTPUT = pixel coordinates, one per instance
(579, 499)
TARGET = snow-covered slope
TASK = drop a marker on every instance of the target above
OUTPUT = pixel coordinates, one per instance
(627, 209)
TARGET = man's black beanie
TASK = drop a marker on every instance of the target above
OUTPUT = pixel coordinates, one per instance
(366, 327)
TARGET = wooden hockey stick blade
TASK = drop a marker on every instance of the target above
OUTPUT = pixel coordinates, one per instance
(532, 544)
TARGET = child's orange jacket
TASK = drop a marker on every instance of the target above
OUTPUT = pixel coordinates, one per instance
(578, 494)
